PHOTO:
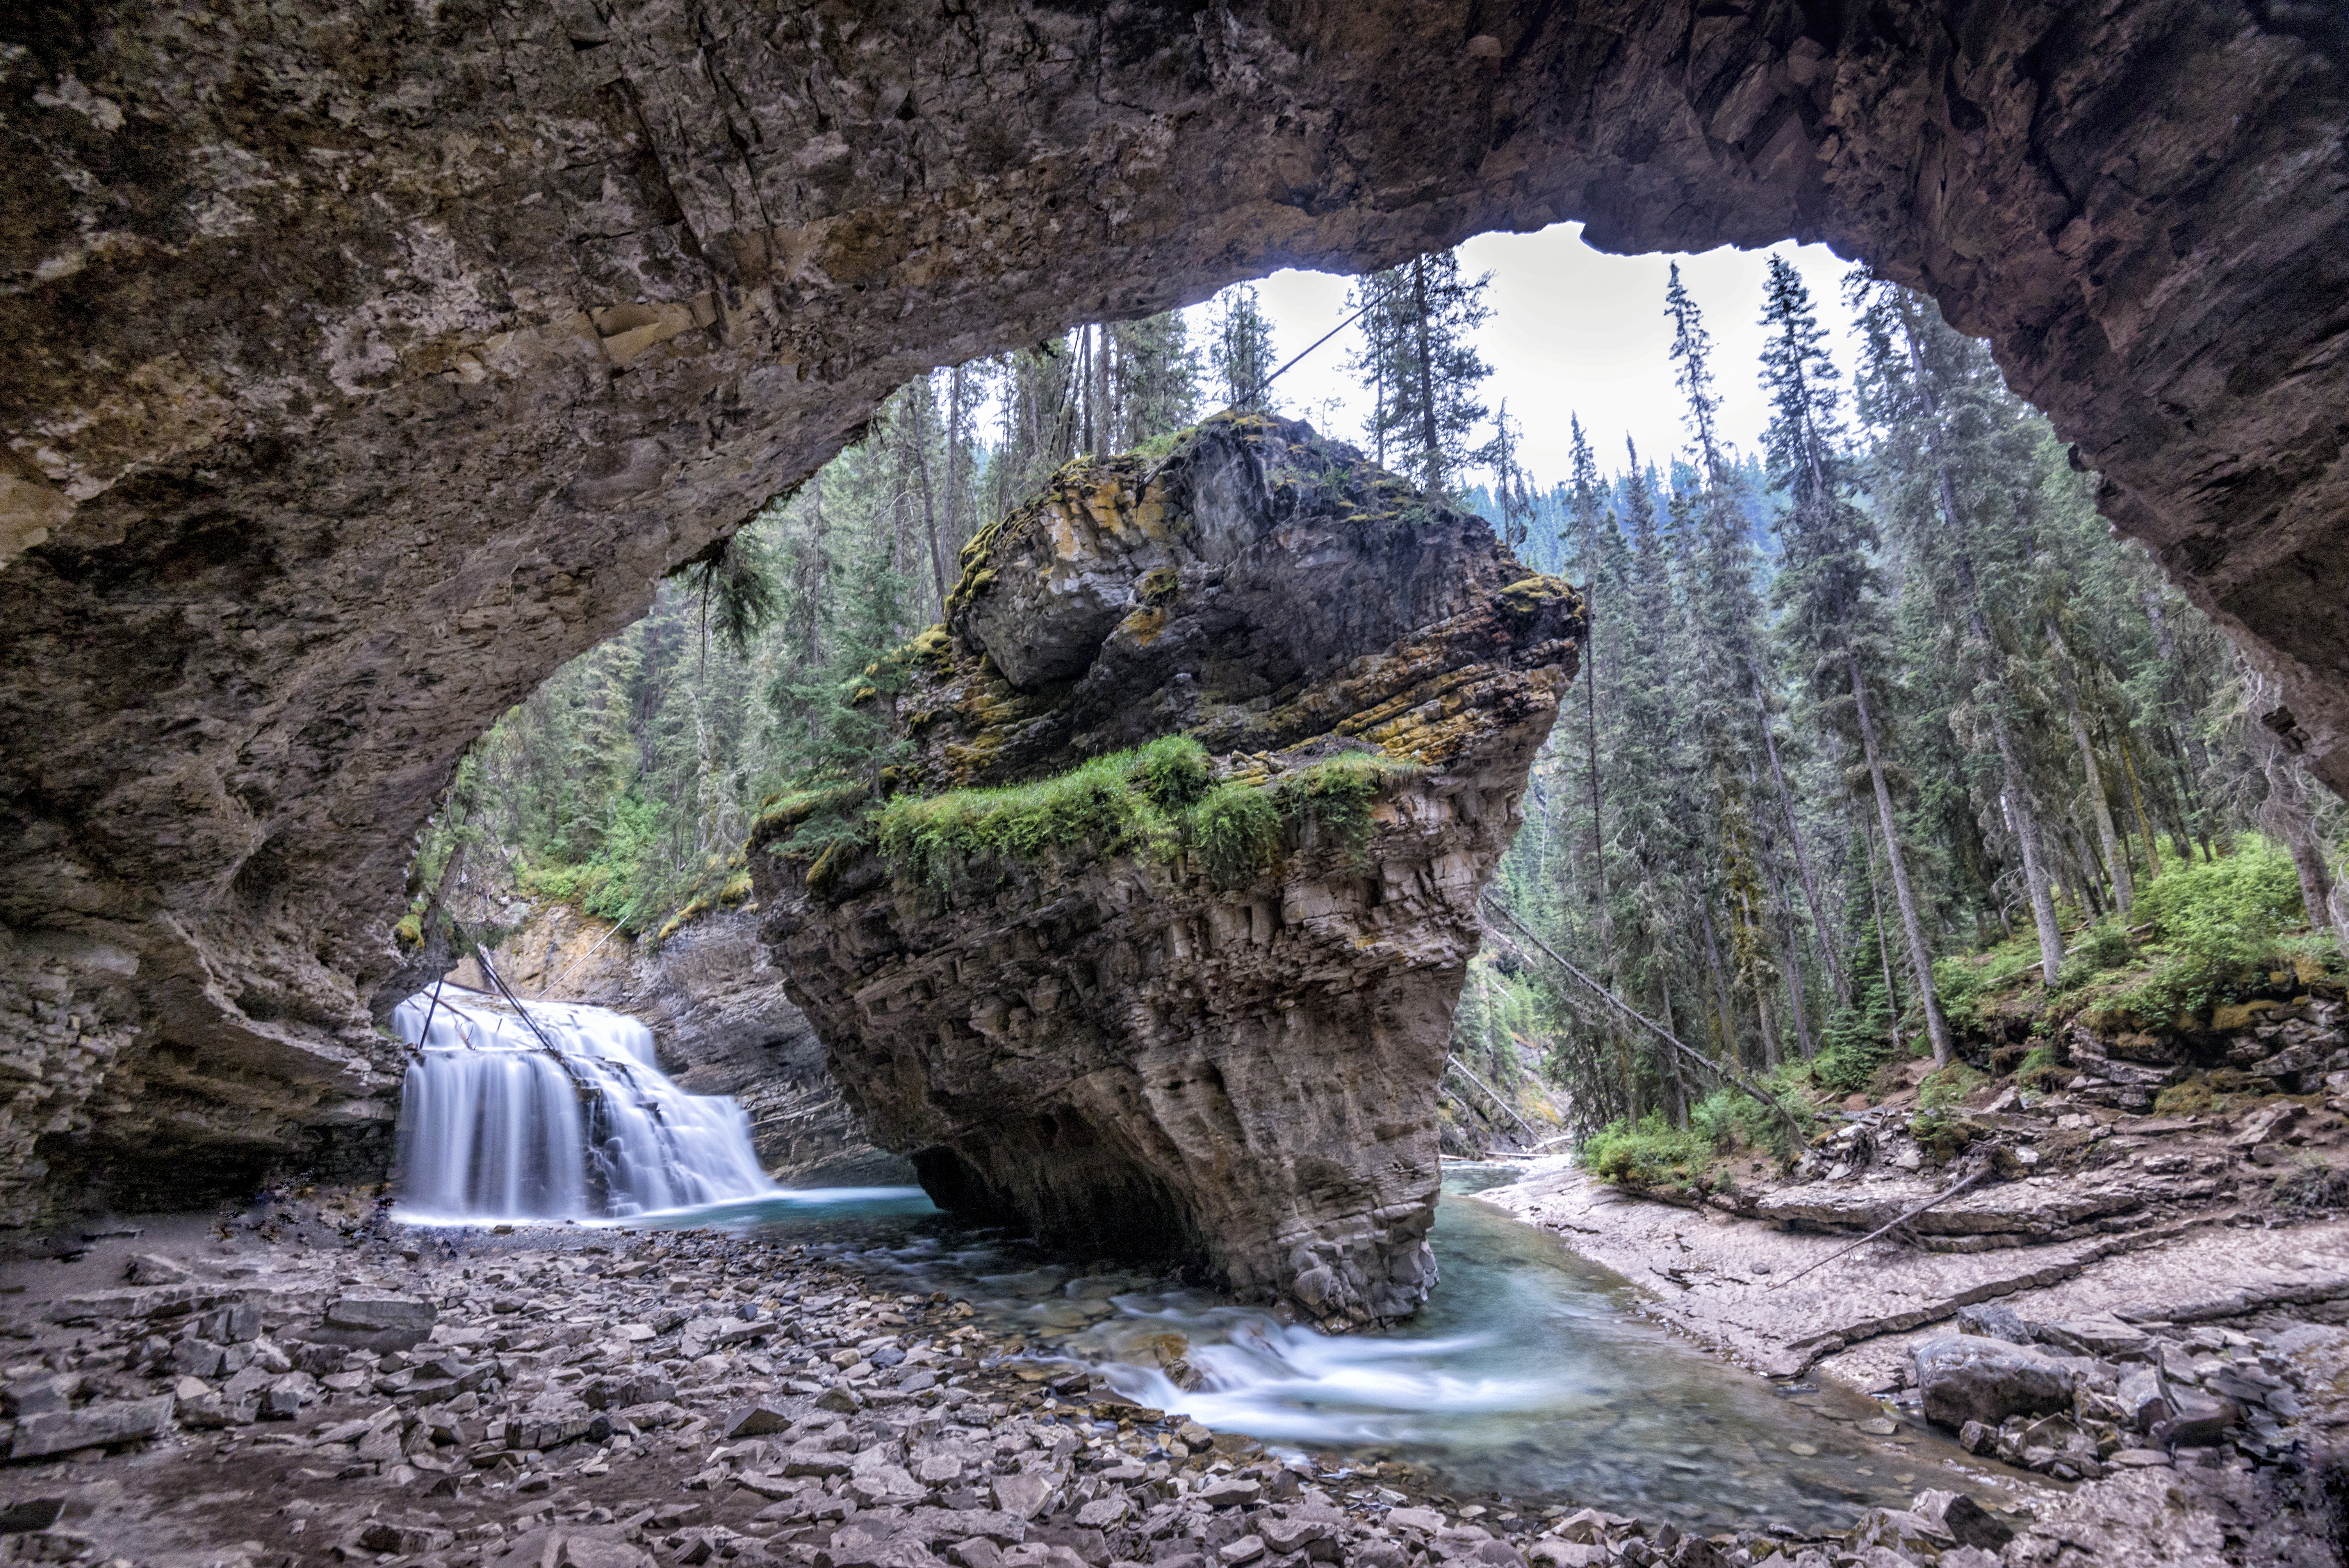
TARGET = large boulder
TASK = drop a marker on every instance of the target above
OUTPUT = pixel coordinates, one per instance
(1193, 1003)
(1970, 1377)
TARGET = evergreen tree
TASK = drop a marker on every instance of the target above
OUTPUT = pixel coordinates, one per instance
(1153, 379)
(1240, 349)
(1835, 618)
(1423, 372)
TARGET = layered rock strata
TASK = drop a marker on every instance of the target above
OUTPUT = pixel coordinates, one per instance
(358, 367)
(722, 1023)
(1137, 1047)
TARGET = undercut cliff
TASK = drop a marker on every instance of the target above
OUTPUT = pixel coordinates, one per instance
(1153, 944)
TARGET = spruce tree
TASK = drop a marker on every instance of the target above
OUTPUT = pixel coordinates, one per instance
(1423, 369)
(1836, 621)
(1240, 349)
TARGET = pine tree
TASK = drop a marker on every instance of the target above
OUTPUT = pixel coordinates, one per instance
(1836, 619)
(1154, 379)
(1415, 324)
(1240, 349)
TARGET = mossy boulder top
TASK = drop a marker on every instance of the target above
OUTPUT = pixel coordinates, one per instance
(1257, 587)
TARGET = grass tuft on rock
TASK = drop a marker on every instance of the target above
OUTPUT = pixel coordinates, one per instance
(1161, 800)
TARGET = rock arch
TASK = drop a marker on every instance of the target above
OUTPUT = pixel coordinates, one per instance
(361, 361)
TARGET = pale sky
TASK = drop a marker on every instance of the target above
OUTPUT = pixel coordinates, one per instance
(1573, 330)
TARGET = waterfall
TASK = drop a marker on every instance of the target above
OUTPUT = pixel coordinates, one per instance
(494, 1125)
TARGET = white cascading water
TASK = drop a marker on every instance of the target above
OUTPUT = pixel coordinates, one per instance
(571, 1121)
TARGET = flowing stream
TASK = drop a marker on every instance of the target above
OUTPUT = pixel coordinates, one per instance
(1530, 1379)
(569, 1120)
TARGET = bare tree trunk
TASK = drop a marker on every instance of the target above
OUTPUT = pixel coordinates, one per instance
(2137, 803)
(2116, 857)
(1883, 943)
(2035, 854)
(929, 504)
(1788, 933)
(1680, 1084)
(1103, 433)
(1427, 427)
(2287, 816)
(1827, 954)
(1720, 981)
(1936, 1028)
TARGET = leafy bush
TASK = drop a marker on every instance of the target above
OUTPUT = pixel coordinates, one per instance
(2215, 926)
(1949, 1088)
(1965, 980)
(1730, 1118)
(1651, 1153)
(2101, 947)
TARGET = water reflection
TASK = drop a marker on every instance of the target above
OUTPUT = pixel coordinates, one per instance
(1530, 1374)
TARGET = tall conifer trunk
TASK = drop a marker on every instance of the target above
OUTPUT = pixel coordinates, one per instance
(2117, 866)
(1936, 1028)
(2016, 795)
(1427, 432)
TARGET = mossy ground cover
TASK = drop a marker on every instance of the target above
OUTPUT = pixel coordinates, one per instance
(1161, 801)
(2199, 936)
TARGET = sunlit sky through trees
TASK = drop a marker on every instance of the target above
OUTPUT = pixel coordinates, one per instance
(1573, 331)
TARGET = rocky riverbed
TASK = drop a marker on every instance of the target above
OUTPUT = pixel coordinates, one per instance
(308, 1383)
(2150, 1307)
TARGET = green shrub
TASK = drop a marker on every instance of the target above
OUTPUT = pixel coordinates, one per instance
(1731, 1118)
(1948, 1088)
(1965, 981)
(2101, 947)
(1653, 1153)
(2042, 1070)
(2215, 926)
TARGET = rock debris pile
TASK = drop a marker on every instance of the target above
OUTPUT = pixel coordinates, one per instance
(618, 1399)
(2074, 1398)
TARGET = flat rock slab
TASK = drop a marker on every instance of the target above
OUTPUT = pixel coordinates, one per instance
(1733, 1286)
(92, 1426)
(2035, 1208)
(368, 1313)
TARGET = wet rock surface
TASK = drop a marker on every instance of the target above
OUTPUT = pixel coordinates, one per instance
(1132, 1052)
(361, 371)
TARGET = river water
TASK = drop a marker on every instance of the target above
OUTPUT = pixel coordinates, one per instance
(1530, 1379)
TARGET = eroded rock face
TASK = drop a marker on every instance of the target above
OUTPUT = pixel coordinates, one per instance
(357, 367)
(1120, 1049)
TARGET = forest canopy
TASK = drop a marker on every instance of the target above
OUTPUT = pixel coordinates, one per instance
(1872, 720)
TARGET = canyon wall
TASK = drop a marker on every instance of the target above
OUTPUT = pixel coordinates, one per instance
(359, 363)
(1217, 1035)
